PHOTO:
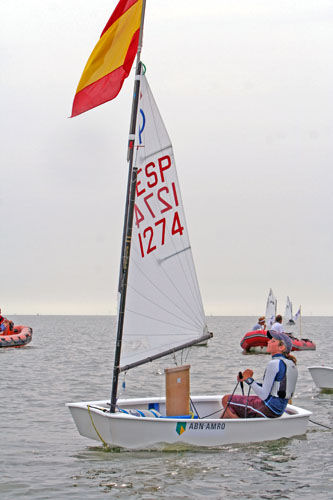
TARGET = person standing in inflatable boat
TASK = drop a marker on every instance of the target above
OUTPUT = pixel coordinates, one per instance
(277, 388)
(277, 326)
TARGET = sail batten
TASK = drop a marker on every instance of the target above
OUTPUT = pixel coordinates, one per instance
(174, 254)
(153, 153)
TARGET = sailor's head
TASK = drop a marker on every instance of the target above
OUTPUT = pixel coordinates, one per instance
(261, 320)
(283, 338)
(278, 318)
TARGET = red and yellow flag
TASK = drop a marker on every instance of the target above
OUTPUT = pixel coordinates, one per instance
(112, 58)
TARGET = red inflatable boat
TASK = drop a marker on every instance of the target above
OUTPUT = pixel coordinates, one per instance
(257, 340)
(18, 337)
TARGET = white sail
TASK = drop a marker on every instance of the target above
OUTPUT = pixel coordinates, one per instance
(298, 321)
(288, 315)
(163, 303)
(270, 309)
(298, 314)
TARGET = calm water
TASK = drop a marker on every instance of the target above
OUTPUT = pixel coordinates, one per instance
(70, 359)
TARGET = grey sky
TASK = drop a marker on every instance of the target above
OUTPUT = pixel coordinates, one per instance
(245, 90)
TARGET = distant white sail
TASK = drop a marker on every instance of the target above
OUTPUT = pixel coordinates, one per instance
(288, 315)
(270, 309)
(163, 303)
(297, 315)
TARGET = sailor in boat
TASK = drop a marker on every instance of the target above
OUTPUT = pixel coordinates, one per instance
(278, 386)
(2, 327)
(277, 326)
(260, 325)
(6, 326)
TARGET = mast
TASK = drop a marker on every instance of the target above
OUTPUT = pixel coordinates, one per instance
(128, 218)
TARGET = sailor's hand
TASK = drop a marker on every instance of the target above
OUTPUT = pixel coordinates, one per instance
(246, 374)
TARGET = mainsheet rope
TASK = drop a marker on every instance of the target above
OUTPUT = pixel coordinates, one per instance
(95, 428)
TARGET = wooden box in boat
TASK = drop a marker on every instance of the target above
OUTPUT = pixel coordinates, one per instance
(177, 390)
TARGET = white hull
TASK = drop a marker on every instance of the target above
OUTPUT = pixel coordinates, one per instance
(127, 431)
(322, 376)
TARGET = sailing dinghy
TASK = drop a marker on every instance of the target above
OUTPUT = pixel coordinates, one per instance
(271, 307)
(160, 309)
(288, 315)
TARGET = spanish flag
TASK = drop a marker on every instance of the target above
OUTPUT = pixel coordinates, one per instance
(112, 58)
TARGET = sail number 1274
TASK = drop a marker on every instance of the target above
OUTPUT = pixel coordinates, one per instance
(155, 202)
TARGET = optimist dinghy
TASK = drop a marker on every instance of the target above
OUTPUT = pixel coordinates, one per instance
(160, 308)
(154, 430)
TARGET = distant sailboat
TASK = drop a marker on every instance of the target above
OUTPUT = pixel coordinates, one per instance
(288, 315)
(298, 316)
(271, 307)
